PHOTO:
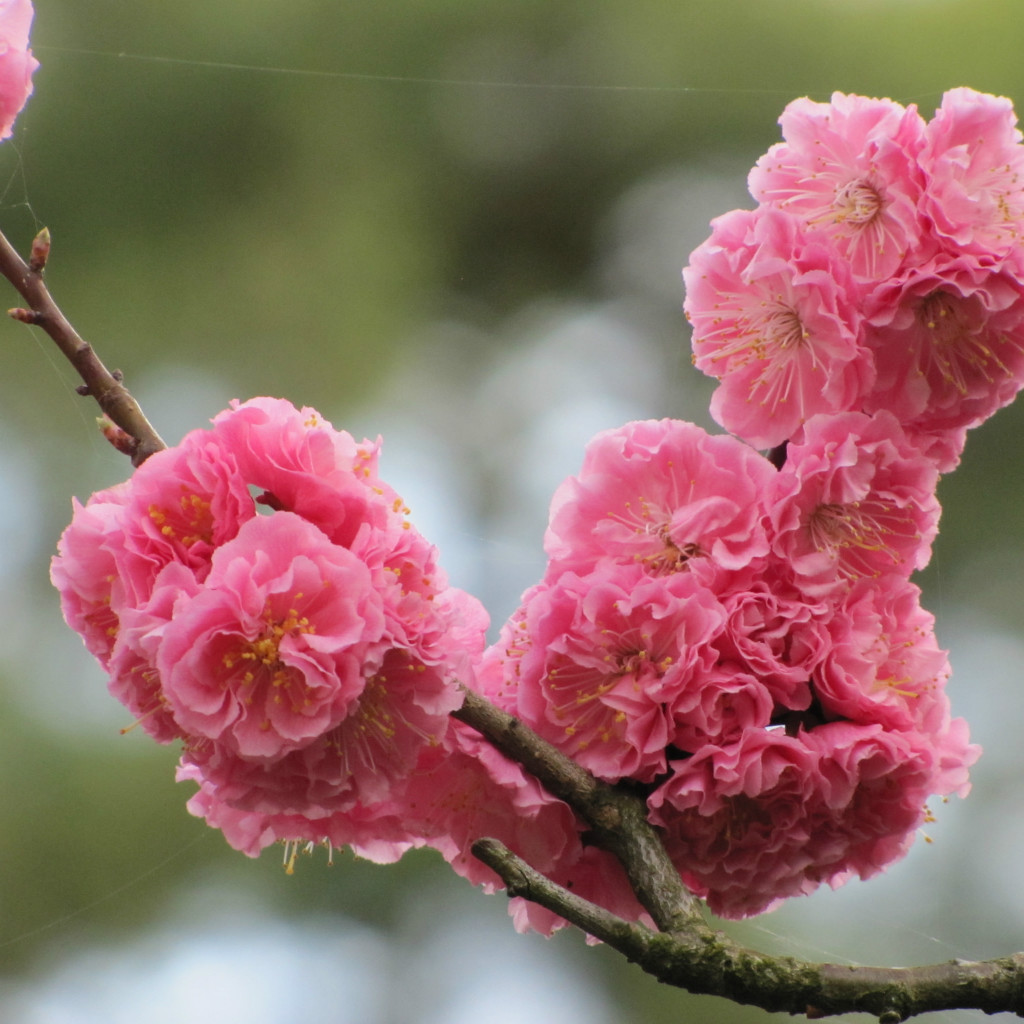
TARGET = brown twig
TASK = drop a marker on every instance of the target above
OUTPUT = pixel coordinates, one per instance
(110, 393)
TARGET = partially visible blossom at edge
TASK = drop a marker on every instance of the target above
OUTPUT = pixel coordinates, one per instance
(776, 318)
(974, 166)
(16, 61)
(848, 168)
(948, 343)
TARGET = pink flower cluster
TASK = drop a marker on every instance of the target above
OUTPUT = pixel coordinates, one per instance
(16, 61)
(258, 593)
(732, 636)
(882, 269)
(743, 646)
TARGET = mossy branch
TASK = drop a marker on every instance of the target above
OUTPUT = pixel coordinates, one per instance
(686, 951)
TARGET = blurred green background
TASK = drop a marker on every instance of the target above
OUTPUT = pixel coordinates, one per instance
(459, 223)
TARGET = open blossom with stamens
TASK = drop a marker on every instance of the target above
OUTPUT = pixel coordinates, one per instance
(948, 342)
(882, 662)
(848, 168)
(661, 494)
(776, 318)
(974, 165)
(602, 665)
(854, 500)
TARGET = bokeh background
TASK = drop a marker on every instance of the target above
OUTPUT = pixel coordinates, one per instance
(459, 224)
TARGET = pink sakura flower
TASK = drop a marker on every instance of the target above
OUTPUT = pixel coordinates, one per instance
(882, 662)
(661, 494)
(776, 318)
(771, 633)
(974, 163)
(853, 501)
(774, 816)
(948, 341)
(601, 664)
(306, 657)
(848, 168)
(364, 760)
(16, 61)
(297, 462)
(85, 570)
(184, 502)
(277, 645)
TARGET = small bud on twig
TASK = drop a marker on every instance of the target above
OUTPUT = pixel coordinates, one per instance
(40, 251)
(26, 316)
(120, 439)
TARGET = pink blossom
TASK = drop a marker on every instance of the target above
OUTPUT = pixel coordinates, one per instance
(298, 462)
(849, 169)
(599, 664)
(374, 833)
(774, 816)
(16, 61)
(776, 318)
(134, 679)
(366, 759)
(771, 633)
(948, 340)
(184, 502)
(723, 703)
(883, 663)
(279, 642)
(85, 570)
(662, 494)
(974, 162)
(854, 500)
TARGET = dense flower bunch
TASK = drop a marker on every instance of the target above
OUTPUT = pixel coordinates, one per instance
(732, 635)
(736, 636)
(742, 643)
(882, 269)
(306, 658)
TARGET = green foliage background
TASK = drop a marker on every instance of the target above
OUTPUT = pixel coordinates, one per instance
(279, 199)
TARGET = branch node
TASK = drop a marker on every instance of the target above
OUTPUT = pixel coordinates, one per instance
(84, 390)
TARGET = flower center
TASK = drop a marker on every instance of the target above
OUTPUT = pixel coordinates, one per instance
(857, 202)
(958, 354)
(855, 535)
(260, 659)
(190, 522)
(782, 329)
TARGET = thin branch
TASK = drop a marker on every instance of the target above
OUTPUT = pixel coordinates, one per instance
(110, 393)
